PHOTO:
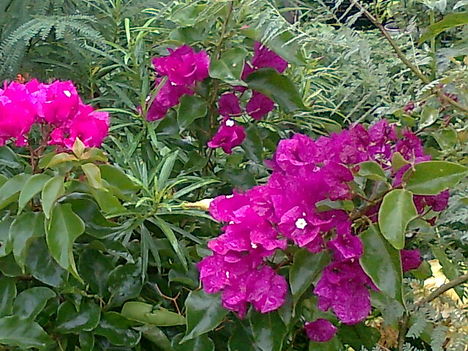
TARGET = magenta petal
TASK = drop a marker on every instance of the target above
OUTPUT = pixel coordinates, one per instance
(228, 136)
(264, 57)
(320, 330)
(259, 105)
(229, 106)
(410, 259)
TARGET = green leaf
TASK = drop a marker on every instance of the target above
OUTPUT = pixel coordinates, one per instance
(94, 268)
(396, 211)
(169, 233)
(204, 313)
(166, 170)
(62, 230)
(58, 159)
(229, 67)
(31, 188)
(332, 345)
(124, 283)
(391, 309)
(190, 109)
(118, 182)
(9, 267)
(93, 175)
(432, 177)
(117, 330)
(372, 170)
(241, 339)
(382, 263)
(157, 337)
(398, 161)
(149, 314)
(69, 320)
(7, 295)
(268, 331)
(276, 86)
(86, 340)
(449, 21)
(51, 191)
(32, 301)
(109, 204)
(5, 240)
(23, 230)
(253, 144)
(304, 270)
(200, 343)
(10, 189)
(22, 332)
(428, 116)
(42, 266)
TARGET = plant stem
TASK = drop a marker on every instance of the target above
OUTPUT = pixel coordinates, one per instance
(415, 69)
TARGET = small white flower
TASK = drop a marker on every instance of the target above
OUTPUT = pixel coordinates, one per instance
(67, 93)
(301, 223)
(231, 222)
(229, 196)
(229, 123)
(227, 274)
(254, 246)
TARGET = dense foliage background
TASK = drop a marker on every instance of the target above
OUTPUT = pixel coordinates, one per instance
(129, 220)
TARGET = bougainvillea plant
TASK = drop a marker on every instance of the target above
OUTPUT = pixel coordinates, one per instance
(330, 194)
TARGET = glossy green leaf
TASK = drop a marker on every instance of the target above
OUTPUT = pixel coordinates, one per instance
(69, 320)
(9, 267)
(58, 159)
(157, 337)
(7, 295)
(169, 233)
(229, 67)
(449, 21)
(42, 265)
(86, 340)
(428, 116)
(95, 223)
(109, 203)
(372, 170)
(62, 230)
(117, 181)
(304, 270)
(93, 175)
(51, 191)
(253, 144)
(22, 332)
(31, 188)
(30, 302)
(396, 211)
(241, 339)
(124, 283)
(382, 263)
(190, 109)
(26, 227)
(432, 177)
(204, 313)
(10, 189)
(268, 331)
(398, 161)
(200, 343)
(5, 240)
(117, 330)
(276, 86)
(149, 314)
(94, 268)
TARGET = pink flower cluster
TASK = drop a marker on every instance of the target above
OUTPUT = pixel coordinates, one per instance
(284, 211)
(55, 106)
(230, 134)
(183, 68)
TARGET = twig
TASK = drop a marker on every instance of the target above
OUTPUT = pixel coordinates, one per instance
(415, 69)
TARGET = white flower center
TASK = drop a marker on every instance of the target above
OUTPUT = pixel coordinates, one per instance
(229, 196)
(67, 93)
(254, 246)
(301, 223)
(229, 123)
(227, 274)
